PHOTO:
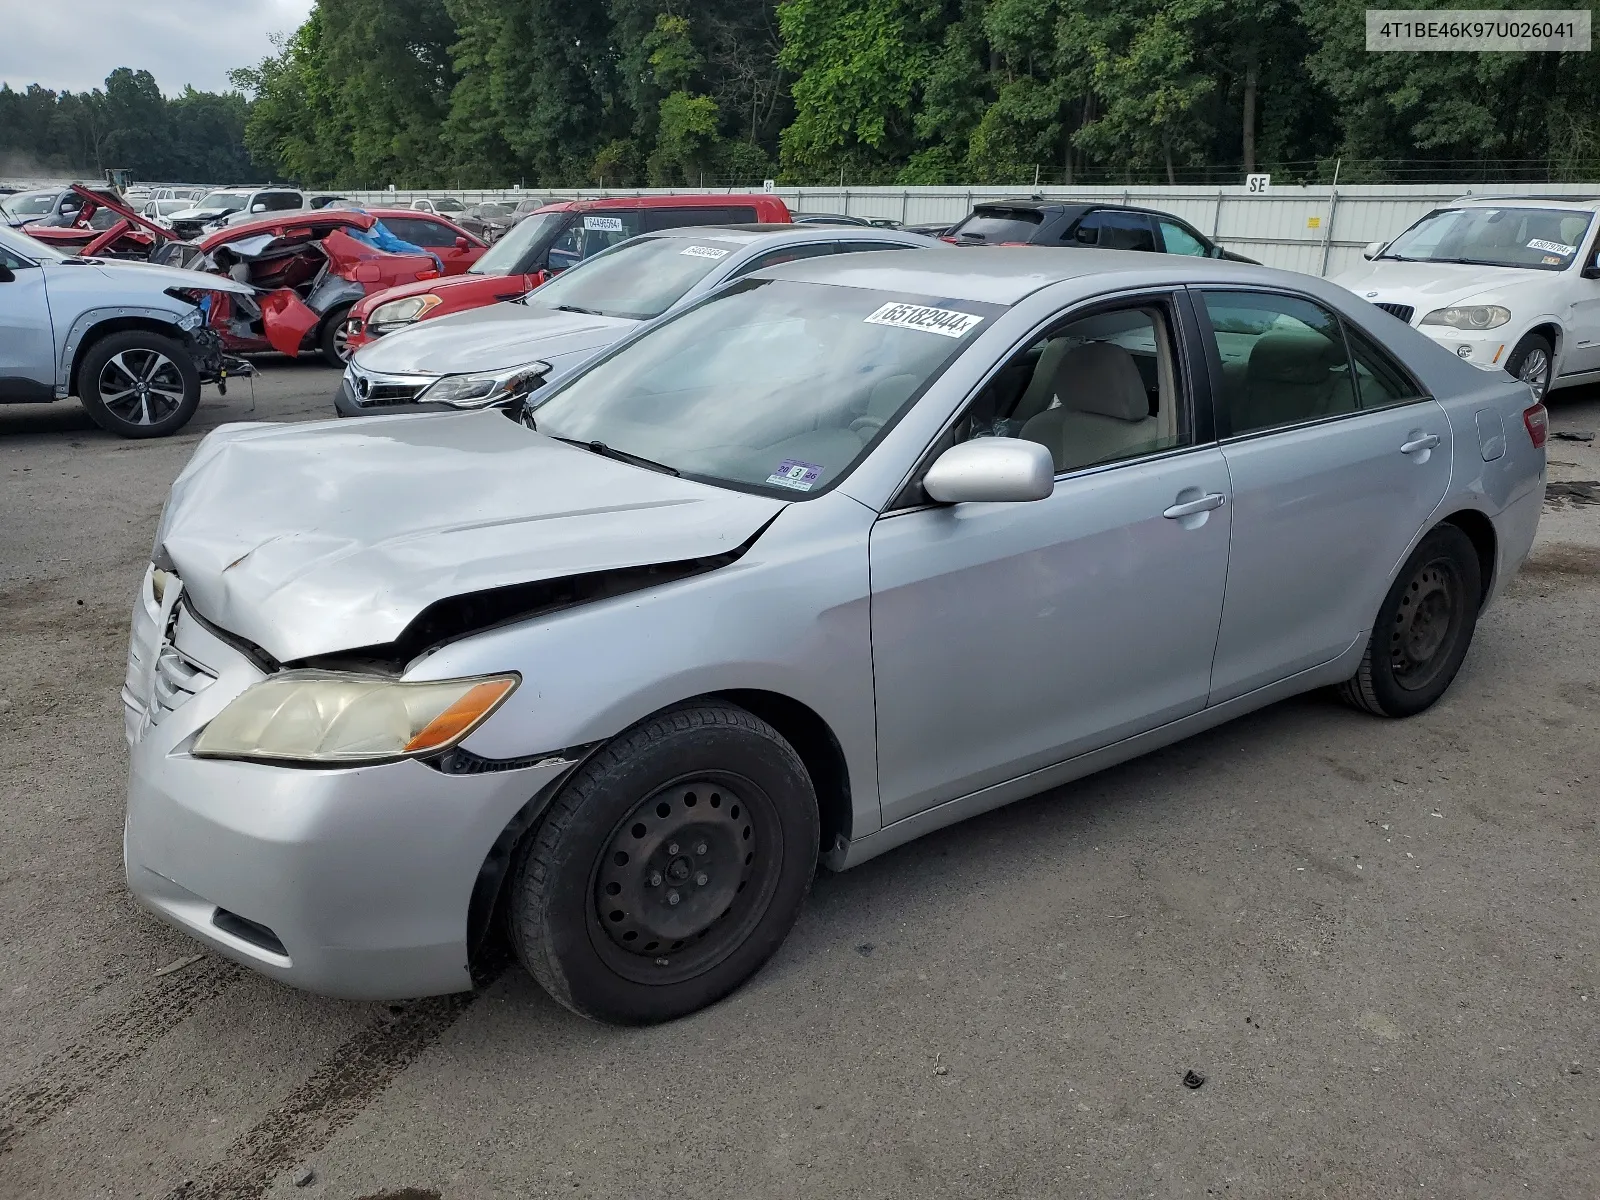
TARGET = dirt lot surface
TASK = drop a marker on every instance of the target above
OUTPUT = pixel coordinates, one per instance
(1376, 941)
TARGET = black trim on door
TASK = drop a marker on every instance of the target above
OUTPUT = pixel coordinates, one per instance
(1203, 384)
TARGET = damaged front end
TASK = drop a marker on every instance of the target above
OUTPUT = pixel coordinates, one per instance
(306, 273)
(204, 343)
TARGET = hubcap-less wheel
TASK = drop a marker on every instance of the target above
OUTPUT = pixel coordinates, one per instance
(1423, 623)
(142, 387)
(341, 341)
(684, 877)
(1535, 371)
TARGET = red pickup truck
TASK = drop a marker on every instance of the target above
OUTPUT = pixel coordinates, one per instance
(550, 240)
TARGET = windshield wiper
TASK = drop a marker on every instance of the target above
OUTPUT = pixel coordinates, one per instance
(605, 451)
(588, 312)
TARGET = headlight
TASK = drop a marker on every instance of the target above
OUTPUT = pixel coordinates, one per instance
(1474, 316)
(486, 387)
(404, 312)
(338, 719)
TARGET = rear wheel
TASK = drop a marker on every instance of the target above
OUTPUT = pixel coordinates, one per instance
(332, 341)
(1423, 629)
(1532, 362)
(138, 384)
(669, 868)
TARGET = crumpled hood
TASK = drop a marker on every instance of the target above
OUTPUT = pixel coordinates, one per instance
(1427, 285)
(489, 339)
(316, 538)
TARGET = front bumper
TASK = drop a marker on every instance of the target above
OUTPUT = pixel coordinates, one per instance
(1487, 349)
(383, 394)
(354, 882)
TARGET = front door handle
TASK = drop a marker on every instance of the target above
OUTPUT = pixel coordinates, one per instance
(1189, 507)
(1421, 443)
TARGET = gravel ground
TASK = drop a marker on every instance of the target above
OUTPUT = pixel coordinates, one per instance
(1375, 940)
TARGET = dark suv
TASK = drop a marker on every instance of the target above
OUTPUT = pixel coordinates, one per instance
(1060, 223)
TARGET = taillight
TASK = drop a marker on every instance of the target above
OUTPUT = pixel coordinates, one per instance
(1537, 419)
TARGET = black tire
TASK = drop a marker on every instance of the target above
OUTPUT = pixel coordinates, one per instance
(714, 807)
(1533, 361)
(138, 384)
(1423, 629)
(330, 338)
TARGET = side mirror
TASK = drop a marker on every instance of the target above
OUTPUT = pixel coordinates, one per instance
(1592, 271)
(991, 470)
(1373, 249)
(7, 275)
(463, 244)
(255, 208)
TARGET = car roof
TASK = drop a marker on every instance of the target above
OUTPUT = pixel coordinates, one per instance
(1006, 274)
(718, 200)
(1587, 203)
(1032, 204)
(762, 231)
(287, 220)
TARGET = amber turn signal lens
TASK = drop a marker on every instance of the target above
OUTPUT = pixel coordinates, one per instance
(461, 716)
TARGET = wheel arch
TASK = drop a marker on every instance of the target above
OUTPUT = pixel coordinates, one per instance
(1549, 329)
(88, 338)
(1481, 533)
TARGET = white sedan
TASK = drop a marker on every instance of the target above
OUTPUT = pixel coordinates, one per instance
(1504, 283)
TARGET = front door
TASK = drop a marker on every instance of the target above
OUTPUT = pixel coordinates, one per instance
(1008, 637)
(1337, 458)
(27, 341)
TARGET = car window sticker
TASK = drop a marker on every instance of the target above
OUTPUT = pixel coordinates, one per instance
(603, 224)
(704, 252)
(792, 473)
(1552, 247)
(946, 322)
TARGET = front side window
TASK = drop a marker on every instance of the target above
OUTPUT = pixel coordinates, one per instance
(1099, 389)
(591, 233)
(640, 280)
(1112, 230)
(1284, 361)
(1180, 241)
(1540, 239)
(280, 201)
(772, 386)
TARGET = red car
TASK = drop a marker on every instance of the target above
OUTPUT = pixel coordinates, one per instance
(98, 223)
(311, 268)
(549, 241)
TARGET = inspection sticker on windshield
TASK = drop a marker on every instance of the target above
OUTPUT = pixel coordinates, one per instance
(792, 473)
(945, 321)
(1552, 247)
(603, 224)
(704, 252)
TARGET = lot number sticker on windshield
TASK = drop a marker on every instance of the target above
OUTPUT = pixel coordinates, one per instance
(1552, 247)
(792, 473)
(945, 321)
(705, 252)
(603, 224)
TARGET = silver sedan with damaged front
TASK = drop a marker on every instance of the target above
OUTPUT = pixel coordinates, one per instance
(851, 550)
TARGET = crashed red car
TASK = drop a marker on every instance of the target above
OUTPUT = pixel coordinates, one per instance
(308, 269)
(102, 225)
(548, 241)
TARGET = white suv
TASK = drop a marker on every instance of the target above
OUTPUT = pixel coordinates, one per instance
(1506, 283)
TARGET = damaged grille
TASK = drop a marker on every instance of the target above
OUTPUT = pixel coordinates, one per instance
(161, 678)
(176, 680)
(1404, 311)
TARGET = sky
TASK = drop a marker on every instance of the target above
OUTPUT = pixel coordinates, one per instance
(74, 44)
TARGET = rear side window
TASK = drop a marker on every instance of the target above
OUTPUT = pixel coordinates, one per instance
(421, 232)
(707, 214)
(1115, 231)
(999, 225)
(1284, 361)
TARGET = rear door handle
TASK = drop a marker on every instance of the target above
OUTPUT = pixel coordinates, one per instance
(1421, 443)
(1189, 507)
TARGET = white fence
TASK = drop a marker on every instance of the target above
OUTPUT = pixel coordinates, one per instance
(1320, 230)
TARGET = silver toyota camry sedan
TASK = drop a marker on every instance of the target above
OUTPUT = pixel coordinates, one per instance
(850, 550)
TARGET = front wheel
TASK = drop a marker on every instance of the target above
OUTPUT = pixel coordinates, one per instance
(1532, 361)
(1423, 629)
(669, 868)
(332, 340)
(138, 384)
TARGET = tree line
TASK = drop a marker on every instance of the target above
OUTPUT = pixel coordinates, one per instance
(192, 136)
(463, 93)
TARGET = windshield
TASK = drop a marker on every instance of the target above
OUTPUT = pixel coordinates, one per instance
(31, 204)
(448, 205)
(28, 248)
(1541, 239)
(507, 255)
(226, 201)
(639, 279)
(774, 386)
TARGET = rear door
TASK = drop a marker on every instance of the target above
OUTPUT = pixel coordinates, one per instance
(1338, 460)
(27, 341)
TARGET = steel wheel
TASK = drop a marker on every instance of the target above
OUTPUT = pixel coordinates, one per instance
(683, 876)
(1423, 624)
(141, 386)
